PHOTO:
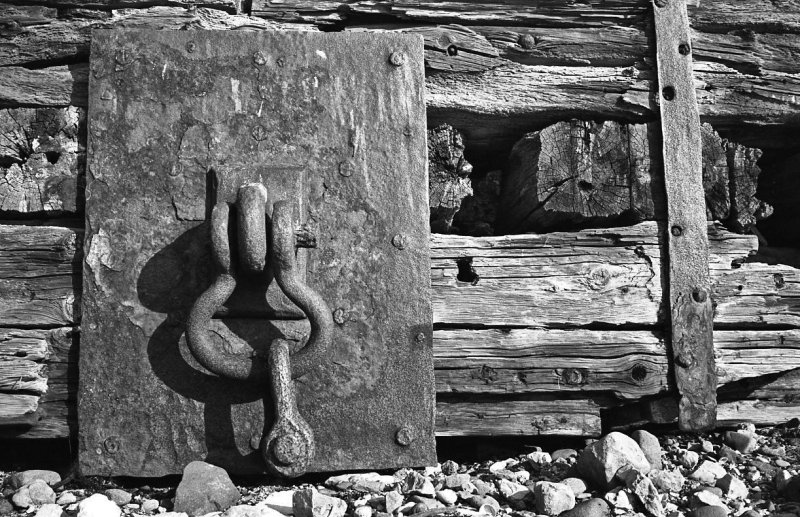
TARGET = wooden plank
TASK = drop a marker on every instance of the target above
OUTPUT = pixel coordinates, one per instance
(38, 272)
(758, 412)
(16, 406)
(691, 321)
(533, 417)
(21, 375)
(629, 364)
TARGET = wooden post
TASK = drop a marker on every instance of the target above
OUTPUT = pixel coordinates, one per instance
(689, 295)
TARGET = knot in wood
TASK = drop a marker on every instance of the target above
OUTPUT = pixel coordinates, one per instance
(574, 376)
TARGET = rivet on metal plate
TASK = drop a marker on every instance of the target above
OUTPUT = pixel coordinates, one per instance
(397, 58)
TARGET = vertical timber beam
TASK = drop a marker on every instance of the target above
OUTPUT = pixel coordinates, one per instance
(690, 303)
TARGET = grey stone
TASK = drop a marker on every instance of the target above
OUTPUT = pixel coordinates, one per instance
(203, 489)
(710, 511)
(121, 497)
(26, 477)
(310, 503)
(689, 459)
(732, 487)
(645, 492)
(244, 510)
(705, 497)
(650, 447)
(708, 472)
(777, 452)
(742, 441)
(476, 501)
(667, 480)
(416, 483)
(564, 454)
(577, 485)
(483, 488)
(729, 454)
(281, 501)
(5, 506)
(590, 508)
(600, 461)
(50, 510)
(449, 467)
(22, 498)
(457, 481)
(447, 496)
(553, 498)
(539, 458)
(66, 498)
(149, 505)
(393, 501)
(98, 505)
(363, 482)
(363, 511)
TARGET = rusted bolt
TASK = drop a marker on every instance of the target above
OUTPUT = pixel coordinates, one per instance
(684, 360)
(397, 58)
(338, 316)
(280, 62)
(420, 338)
(176, 170)
(346, 168)
(259, 58)
(527, 41)
(684, 49)
(452, 50)
(255, 442)
(699, 295)
(668, 92)
(660, 3)
(111, 444)
(288, 449)
(260, 133)
(399, 241)
(191, 46)
(405, 435)
(676, 231)
(107, 95)
(408, 131)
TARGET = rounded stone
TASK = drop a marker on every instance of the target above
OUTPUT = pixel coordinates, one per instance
(590, 508)
(98, 505)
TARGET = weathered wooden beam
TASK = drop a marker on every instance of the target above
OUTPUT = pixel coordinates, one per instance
(38, 274)
(581, 174)
(691, 318)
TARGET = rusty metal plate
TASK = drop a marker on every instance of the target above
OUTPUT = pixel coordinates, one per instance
(334, 122)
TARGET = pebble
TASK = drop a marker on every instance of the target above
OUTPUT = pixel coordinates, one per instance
(743, 442)
(310, 503)
(66, 498)
(393, 501)
(482, 487)
(36, 493)
(553, 498)
(689, 459)
(668, 480)
(577, 485)
(733, 487)
(599, 462)
(204, 488)
(363, 482)
(447, 496)
(149, 505)
(782, 463)
(457, 481)
(416, 483)
(244, 510)
(644, 491)
(5, 506)
(705, 497)
(281, 501)
(121, 497)
(710, 511)
(729, 454)
(565, 454)
(539, 458)
(50, 510)
(708, 472)
(363, 511)
(98, 505)
(26, 477)
(591, 508)
(650, 447)
(449, 467)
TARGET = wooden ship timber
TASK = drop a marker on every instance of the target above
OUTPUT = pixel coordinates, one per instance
(548, 263)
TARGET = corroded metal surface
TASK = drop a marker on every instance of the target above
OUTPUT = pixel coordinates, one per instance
(177, 116)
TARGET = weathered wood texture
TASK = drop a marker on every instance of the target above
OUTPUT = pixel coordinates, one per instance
(42, 153)
(691, 318)
(582, 173)
(448, 173)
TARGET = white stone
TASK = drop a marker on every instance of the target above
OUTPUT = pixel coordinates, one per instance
(577, 485)
(447, 496)
(281, 501)
(310, 503)
(363, 511)
(708, 472)
(149, 505)
(553, 498)
(600, 461)
(244, 510)
(362, 482)
(50, 510)
(689, 459)
(523, 476)
(98, 505)
(539, 458)
(66, 498)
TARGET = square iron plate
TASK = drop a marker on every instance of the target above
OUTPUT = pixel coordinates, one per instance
(335, 122)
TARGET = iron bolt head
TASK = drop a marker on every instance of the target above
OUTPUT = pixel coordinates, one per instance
(191, 46)
(397, 58)
(259, 58)
(346, 168)
(280, 62)
(338, 316)
(420, 338)
(399, 241)
(684, 360)
(111, 444)
(405, 435)
(176, 170)
(699, 295)
(684, 49)
(660, 3)
(676, 231)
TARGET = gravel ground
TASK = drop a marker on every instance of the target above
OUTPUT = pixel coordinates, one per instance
(745, 472)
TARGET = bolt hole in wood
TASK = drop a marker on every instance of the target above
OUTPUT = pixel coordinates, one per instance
(52, 157)
(466, 273)
(684, 49)
(668, 92)
(639, 373)
(452, 50)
